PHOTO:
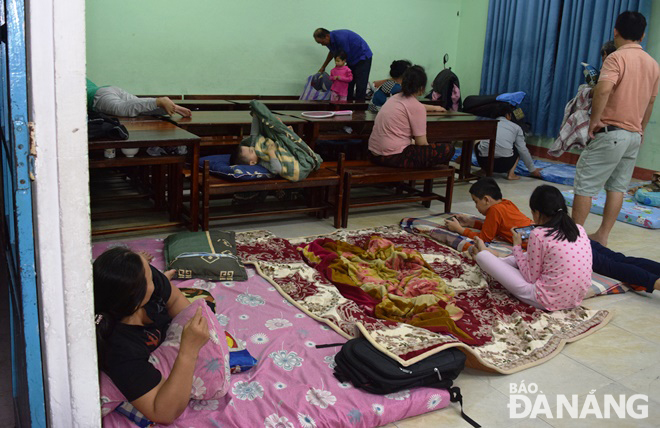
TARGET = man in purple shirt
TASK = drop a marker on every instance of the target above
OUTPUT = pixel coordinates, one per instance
(359, 57)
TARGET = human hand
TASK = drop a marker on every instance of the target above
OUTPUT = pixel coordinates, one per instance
(595, 126)
(453, 225)
(517, 239)
(480, 245)
(439, 109)
(195, 333)
(182, 111)
(536, 173)
(463, 220)
(322, 70)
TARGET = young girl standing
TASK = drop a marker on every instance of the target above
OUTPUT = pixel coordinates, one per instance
(555, 272)
(341, 76)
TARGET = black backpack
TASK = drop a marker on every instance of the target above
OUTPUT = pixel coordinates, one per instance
(443, 85)
(102, 127)
(360, 363)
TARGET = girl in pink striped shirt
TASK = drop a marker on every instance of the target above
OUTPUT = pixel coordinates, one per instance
(555, 272)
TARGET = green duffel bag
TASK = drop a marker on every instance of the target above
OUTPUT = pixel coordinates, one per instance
(208, 255)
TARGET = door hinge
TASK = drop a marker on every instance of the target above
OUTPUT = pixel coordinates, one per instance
(32, 156)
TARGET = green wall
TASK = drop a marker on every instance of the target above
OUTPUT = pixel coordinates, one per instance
(470, 49)
(260, 46)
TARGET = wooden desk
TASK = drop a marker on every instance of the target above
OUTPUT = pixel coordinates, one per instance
(295, 105)
(239, 97)
(360, 121)
(212, 126)
(147, 134)
(467, 128)
(206, 105)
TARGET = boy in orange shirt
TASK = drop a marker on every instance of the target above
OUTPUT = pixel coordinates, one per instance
(501, 214)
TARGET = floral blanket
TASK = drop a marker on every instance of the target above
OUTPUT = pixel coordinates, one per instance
(389, 283)
(292, 384)
(515, 336)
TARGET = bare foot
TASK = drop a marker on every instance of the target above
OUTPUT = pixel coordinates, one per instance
(596, 237)
(657, 284)
(182, 111)
(166, 104)
(479, 244)
(512, 177)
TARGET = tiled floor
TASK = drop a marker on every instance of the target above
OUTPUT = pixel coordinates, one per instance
(622, 358)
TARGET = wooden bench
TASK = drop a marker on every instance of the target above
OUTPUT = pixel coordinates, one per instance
(366, 173)
(320, 182)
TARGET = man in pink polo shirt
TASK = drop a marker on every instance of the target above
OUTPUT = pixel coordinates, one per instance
(622, 105)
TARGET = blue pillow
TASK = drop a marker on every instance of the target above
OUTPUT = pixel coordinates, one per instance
(219, 165)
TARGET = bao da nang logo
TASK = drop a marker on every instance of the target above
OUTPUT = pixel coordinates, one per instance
(526, 401)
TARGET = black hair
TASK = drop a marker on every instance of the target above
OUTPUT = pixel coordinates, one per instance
(607, 48)
(631, 25)
(486, 186)
(320, 33)
(340, 54)
(237, 158)
(414, 81)
(120, 285)
(398, 67)
(548, 201)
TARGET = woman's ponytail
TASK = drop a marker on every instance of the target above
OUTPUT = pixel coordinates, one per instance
(548, 201)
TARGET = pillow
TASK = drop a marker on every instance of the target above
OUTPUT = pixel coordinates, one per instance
(209, 255)
(240, 359)
(211, 376)
(219, 165)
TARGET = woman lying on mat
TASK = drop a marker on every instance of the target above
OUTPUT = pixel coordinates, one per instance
(399, 135)
(134, 304)
(555, 272)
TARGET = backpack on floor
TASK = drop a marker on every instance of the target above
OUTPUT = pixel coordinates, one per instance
(360, 363)
(102, 127)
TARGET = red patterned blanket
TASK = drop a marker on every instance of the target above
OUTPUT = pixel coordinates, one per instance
(509, 335)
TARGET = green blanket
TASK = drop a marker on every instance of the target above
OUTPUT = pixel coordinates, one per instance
(297, 158)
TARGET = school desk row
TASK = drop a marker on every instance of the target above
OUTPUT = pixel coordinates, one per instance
(209, 128)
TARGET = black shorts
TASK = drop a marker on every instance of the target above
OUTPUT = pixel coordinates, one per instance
(500, 164)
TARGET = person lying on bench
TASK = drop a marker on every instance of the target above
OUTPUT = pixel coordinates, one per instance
(275, 146)
(117, 102)
(246, 154)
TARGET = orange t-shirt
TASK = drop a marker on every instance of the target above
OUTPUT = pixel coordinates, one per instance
(635, 77)
(500, 218)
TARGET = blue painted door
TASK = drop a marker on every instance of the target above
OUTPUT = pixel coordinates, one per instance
(16, 225)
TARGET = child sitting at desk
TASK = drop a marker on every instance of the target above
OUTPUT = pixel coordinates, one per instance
(389, 87)
(117, 102)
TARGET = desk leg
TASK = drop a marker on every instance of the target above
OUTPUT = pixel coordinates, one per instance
(194, 189)
(311, 134)
(466, 160)
(491, 158)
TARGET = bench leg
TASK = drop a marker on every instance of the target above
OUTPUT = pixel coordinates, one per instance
(205, 198)
(428, 189)
(339, 202)
(347, 200)
(449, 193)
